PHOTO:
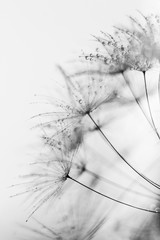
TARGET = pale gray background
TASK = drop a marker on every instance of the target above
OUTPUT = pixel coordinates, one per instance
(34, 36)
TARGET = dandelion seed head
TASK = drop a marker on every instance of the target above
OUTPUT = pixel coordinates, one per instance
(67, 121)
(47, 178)
(137, 47)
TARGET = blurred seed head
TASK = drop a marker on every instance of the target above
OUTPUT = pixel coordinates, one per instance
(81, 220)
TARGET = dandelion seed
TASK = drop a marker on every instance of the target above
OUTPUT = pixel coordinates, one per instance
(47, 179)
(87, 91)
(79, 167)
(86, 94)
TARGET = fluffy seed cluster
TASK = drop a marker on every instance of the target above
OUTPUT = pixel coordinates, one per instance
(66, 124)
(69, 120)
(136, 48)
(46, 180)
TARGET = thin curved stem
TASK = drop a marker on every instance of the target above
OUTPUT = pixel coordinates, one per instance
(152, 124)
(149, 107)
(137, 101)
(131, 177)
(156, 185)
(113, 199)
(105, 180)
(159, 88)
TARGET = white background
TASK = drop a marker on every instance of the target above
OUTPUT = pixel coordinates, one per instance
(34, 36)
